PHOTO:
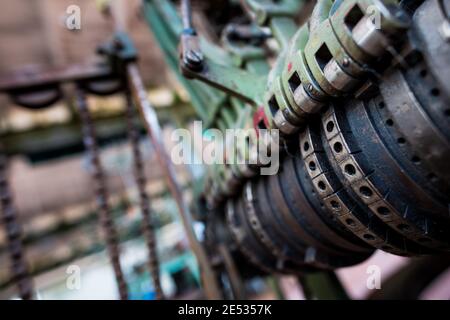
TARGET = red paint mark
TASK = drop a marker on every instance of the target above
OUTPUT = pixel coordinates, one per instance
(259, 117)
(289, 66)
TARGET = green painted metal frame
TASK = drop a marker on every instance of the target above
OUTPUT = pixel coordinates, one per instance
(166, 25)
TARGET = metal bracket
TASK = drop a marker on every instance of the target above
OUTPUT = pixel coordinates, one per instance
(234, 81)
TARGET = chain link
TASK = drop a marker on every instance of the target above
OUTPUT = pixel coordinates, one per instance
(14, 235)
(147, 219)
(105, 214)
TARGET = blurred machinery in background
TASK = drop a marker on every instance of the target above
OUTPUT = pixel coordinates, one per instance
(358, 92)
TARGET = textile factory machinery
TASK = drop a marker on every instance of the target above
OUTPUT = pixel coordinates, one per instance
(353, 98)
(358, 90)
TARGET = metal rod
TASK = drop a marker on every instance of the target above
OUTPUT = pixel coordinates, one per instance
(147, 217)
(155, 133)
(236, 282)
(186, 13)
(104, 210)
(13, 230)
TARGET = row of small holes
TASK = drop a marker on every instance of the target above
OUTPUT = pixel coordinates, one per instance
(383, 210)
(414, 159)
(351, 170)
(434, 92)
(365, 191)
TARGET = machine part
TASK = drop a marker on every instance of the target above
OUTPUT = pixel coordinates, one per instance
(359, 97)
(414, 127)
(315, 67)
(102, 87)
(285, 225)
(192, 56)
(13, 230)
(245, 85)
(354, 176)
(320, 65)
(141, 181)
(361, 180)
(104, 211)
(43, 79)
(37, 98)
(263, 12)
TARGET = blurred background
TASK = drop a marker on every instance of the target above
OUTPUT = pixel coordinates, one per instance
(50, 175)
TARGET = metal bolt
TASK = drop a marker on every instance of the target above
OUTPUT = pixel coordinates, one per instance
(194, 58)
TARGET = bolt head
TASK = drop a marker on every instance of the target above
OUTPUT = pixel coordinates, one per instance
(194, 57)
(346, 62)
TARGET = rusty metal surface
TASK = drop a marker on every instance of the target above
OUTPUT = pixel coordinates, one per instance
(13, 230)
(48, 77)
(101, 193)
(144, 201)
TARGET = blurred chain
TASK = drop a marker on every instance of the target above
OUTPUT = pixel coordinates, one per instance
(105, 214)
(14, 235)
(147, 218)
(150, 118)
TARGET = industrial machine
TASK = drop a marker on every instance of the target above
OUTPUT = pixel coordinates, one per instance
(342, 109)
(357, 92)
